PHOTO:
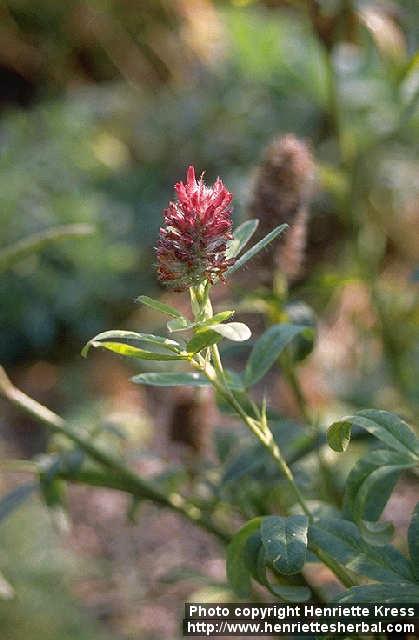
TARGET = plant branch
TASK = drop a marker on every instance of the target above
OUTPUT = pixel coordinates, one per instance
(123, 478)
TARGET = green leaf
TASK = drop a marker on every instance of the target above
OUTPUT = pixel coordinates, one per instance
(160, 306)
(413, 540)
(256, 248)
(136, 352)
(339, 435)
(285, 542)
(342, 540)
(238, 573)
(256, 560)
(398, 592)
(217, 318)
(267, 348)
(179, 324)
(385, 426)
(241, 237)
(235, 331)
(201, 340)
(371, 482)
(15, 498)
(116, 334)
(193, 379)
(255, 557)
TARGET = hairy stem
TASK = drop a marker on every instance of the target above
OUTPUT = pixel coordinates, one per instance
(258, 426)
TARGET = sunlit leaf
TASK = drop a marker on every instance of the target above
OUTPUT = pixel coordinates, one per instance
(132, 335)
(235, 331)
(159, 306)
(136, 352)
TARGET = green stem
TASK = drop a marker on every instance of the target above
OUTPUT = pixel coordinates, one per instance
(123, 478)
(266, 438)
(215, 373)
(263, 434)
(339, 570)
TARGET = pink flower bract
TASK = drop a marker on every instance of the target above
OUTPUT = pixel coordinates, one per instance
(197, 227)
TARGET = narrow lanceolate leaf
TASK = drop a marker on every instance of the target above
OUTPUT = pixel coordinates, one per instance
(413, 540)
(342, 540)
(159, 306)
(235, 331)
(371, 482)
(266, 350)
(201, 340)
(251, 253)
(217, 318)
(385, 426)
(238, 573)
(181, 324)
(136, 352)
(116, 334)
(241, 237)
(285, 542)
(193, 379)
(398, 592)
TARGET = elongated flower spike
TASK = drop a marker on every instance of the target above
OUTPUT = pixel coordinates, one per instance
(193, 241)
(282, 191)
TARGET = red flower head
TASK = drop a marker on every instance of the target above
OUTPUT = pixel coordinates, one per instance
(193, 242)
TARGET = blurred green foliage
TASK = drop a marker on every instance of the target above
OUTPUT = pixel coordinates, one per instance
(108, 155)
(42, 571)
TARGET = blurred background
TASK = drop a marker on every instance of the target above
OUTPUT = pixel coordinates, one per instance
(103, 104)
